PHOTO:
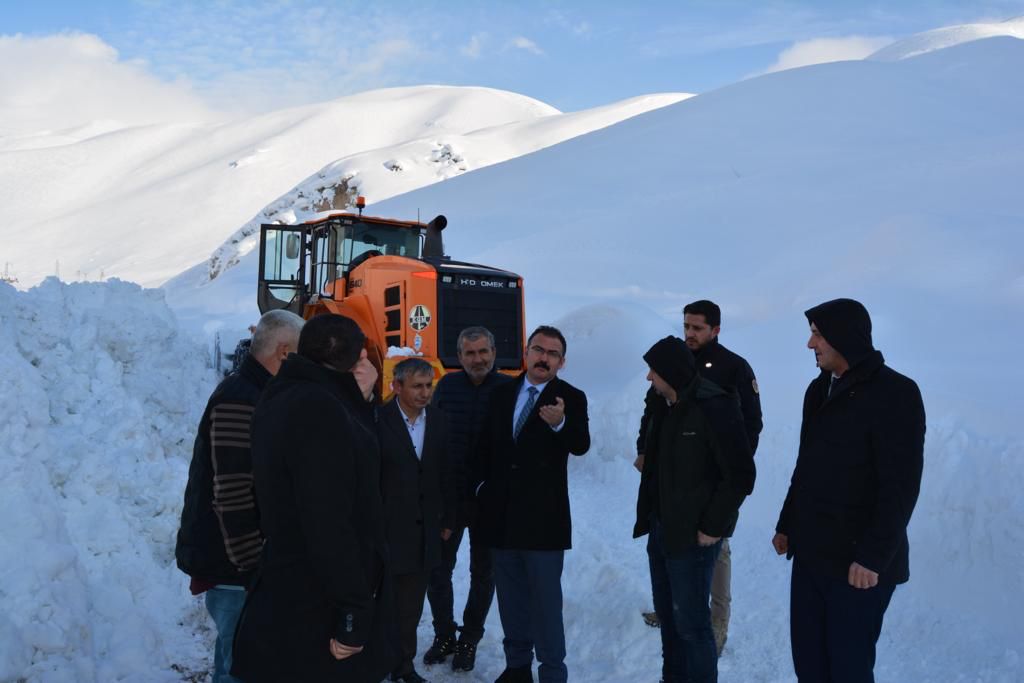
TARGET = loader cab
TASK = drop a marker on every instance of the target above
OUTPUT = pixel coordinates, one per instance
(302, 263)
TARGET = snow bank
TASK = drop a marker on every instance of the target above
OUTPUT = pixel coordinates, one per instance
(100, 395)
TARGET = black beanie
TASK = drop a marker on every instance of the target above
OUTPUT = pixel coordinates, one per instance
(846, 326)
(673, 362)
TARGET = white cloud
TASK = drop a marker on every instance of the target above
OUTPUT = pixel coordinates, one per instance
(68, 80)
(473, 48)
(821, 50)
(523, 43)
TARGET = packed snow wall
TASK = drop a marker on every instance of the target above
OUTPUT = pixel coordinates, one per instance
(99, 397)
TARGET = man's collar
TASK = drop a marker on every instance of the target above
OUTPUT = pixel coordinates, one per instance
(405, 415)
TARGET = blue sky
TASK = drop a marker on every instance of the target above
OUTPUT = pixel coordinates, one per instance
(263, 55)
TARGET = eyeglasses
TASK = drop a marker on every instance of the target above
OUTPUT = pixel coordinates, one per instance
(550, 353)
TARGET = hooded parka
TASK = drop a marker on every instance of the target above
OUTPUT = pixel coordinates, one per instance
(858, 472)
(698, 466)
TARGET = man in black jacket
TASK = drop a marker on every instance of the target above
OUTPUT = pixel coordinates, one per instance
(419, 498)
(697, 470)
(219, 542)
(464, 396)
(702, 322)
(531, 427)
(321, 607)
(857, 477)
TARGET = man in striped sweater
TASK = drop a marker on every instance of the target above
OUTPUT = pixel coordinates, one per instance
(219, 542)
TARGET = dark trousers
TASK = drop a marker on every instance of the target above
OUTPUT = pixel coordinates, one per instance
(834, 627)
(481, 589)
(682, 587)
(529, 585)
(409, 592)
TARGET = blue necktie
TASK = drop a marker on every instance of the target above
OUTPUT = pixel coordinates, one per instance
(524, 414)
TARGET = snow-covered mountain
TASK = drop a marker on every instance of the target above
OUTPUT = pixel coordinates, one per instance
(892, 181)
(145, 203)
(948, 36)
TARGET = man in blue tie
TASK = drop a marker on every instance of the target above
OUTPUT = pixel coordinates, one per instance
(531, 427)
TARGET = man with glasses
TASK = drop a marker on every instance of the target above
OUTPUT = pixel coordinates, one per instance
(531, 427)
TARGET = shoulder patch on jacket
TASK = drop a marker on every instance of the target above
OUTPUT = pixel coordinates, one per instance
(753, 383)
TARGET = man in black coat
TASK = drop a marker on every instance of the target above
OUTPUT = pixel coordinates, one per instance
(464, 396)
(531, 427)
(857, 478)
(321, 606)
(697, 470)
(219, 542)
(419, 498)
(702, 322)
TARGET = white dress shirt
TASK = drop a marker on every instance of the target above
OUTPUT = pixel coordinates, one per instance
(417, 429)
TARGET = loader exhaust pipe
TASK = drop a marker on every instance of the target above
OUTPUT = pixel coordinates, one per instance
(433, 245)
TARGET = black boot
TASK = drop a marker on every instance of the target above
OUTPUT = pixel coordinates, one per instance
(523, 674)
(465, 656)
(439, 651)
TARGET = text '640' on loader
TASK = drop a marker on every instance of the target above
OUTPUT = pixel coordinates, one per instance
(393, 279)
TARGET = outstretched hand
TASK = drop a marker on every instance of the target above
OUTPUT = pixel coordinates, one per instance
(553, 414)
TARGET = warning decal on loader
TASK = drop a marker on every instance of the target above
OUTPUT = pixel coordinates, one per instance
(419, 317)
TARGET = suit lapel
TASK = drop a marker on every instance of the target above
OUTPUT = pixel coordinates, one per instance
(393, 413)
(430, 446)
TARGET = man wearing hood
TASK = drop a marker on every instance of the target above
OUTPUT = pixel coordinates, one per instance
(857, 477)
(697, 469)
(702, 322)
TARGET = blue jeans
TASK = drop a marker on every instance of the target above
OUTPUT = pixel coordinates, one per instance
(682, 587)
(529, 586)
(224, 603)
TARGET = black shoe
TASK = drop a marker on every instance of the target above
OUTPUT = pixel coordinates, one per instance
(411, 677)
(523, 674)
(465, 656)
(651, 619)
(439, 651)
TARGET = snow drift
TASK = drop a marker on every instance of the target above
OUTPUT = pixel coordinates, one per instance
(100, 393)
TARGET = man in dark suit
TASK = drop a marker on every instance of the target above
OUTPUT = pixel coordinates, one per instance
(531, 426)
(419, 498)
(857, 477)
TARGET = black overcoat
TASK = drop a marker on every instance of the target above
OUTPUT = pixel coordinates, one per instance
(317, 472)
(419, 493)
(858, 472)
(523, 493)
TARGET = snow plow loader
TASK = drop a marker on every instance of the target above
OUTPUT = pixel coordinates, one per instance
(393, 279)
